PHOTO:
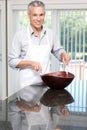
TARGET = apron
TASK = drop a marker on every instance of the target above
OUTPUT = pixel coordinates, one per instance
(39, 53)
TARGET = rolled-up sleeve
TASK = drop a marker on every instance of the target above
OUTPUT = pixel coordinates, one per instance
(14, 56)
(57, 53)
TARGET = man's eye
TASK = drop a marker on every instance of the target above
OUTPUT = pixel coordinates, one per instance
(34, 15)
(41, 14)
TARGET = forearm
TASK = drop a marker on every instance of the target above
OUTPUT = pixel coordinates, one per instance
(62, 56)
(24, 63)
(28, 63)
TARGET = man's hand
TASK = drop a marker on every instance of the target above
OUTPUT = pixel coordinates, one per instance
(65, 58)
(33, 64)
(36, 66)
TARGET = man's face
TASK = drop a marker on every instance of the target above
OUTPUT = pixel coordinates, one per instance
(36, 16)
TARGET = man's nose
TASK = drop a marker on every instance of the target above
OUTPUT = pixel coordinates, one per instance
(38, 17)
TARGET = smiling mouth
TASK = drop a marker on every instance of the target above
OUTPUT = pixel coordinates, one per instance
(38, 23)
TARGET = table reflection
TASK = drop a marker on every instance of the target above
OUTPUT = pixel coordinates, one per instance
(52, 115)
(22, 111)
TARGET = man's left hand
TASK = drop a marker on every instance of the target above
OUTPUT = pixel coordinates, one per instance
(65, 58)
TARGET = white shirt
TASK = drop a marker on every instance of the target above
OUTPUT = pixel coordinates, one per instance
(20, 45)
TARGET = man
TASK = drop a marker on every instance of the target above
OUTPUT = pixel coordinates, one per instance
(30, 52)
(31, 47)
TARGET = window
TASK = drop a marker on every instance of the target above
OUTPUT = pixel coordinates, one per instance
(73, 34)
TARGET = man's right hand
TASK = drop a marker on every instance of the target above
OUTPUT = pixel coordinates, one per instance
(36, 66)
(33, 64)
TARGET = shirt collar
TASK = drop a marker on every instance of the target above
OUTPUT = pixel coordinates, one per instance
(42, 32)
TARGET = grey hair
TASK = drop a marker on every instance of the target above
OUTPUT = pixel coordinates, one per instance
(35, 3)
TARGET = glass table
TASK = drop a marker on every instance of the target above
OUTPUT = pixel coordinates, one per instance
(50, 116)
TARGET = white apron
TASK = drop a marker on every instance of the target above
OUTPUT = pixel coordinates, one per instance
(39, 53)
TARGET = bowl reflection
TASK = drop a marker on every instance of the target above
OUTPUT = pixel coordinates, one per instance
(56, 98)
(57, 80)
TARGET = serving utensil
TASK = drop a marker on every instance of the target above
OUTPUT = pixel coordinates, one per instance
(65, 68)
